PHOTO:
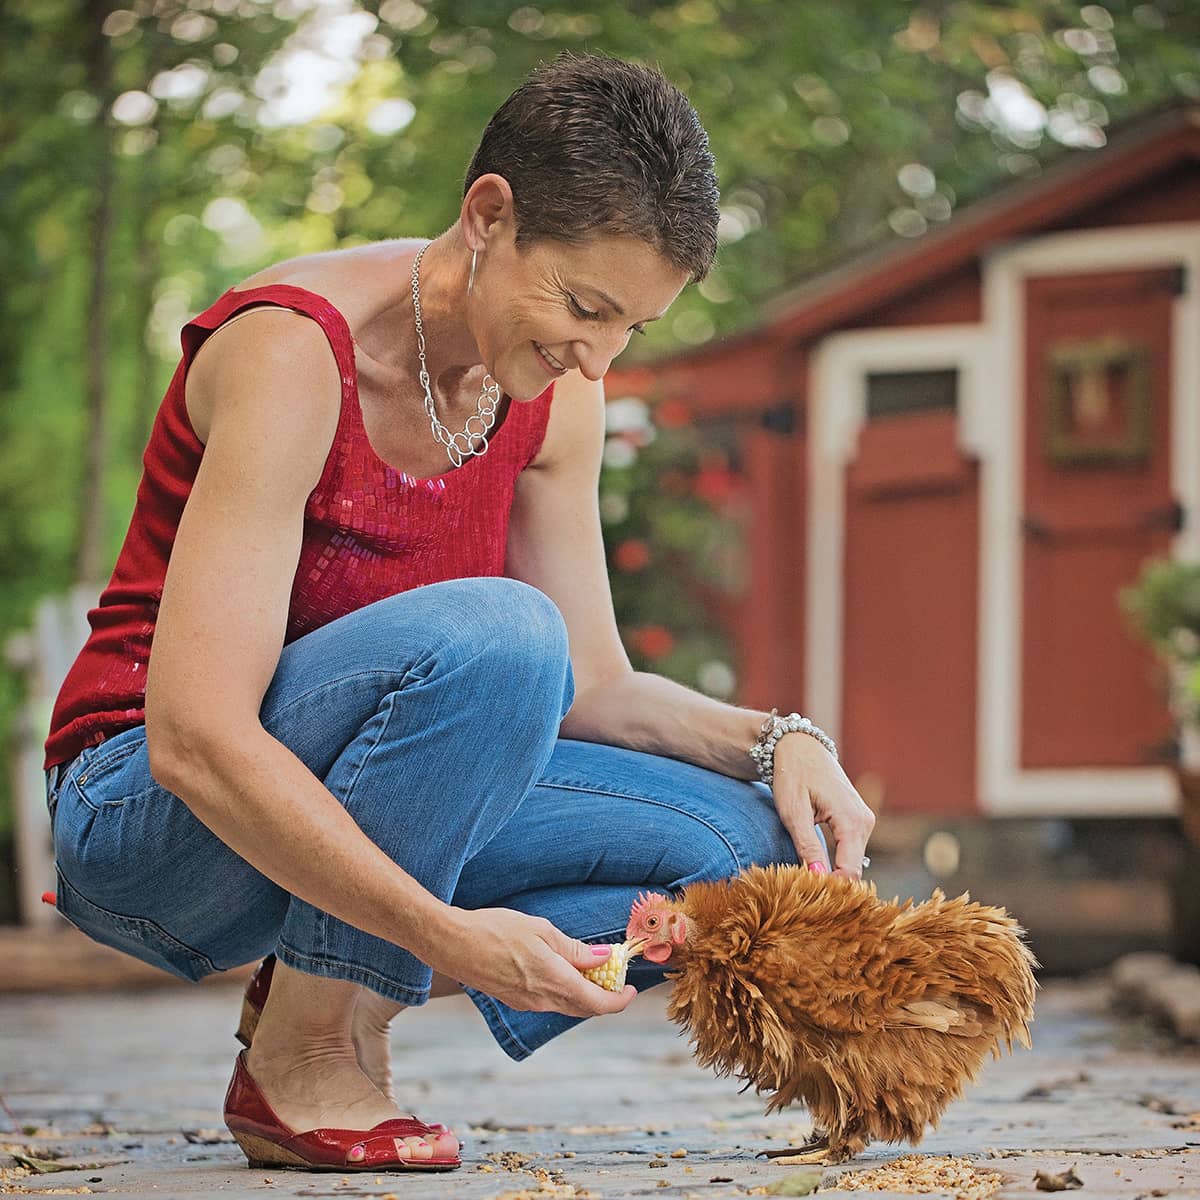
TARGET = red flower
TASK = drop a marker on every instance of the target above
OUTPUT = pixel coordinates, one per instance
(631, 555)
(672, 414)
(653, 641)
(715, 484)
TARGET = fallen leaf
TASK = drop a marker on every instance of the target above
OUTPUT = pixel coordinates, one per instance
(208, 1137)
(799, 1183)
(1048, 1182)
(47, 1166)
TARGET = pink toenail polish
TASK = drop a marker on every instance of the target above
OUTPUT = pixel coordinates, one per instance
(818, 867)
(357, 1153)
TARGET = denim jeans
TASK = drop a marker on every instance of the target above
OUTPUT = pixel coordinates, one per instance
(433, 717)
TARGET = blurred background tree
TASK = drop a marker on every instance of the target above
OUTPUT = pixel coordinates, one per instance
(155, 153)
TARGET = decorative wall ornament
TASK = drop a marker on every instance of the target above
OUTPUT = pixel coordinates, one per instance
(1099, 403)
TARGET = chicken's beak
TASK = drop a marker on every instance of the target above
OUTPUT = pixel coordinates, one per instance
(636, 946)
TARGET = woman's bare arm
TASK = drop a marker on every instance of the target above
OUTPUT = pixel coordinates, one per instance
(267, 397)
(555, 544)
(268, 391)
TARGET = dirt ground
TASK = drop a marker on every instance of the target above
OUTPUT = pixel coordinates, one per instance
(126, 1088)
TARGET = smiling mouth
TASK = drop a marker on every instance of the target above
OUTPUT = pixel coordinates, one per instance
(549, 358)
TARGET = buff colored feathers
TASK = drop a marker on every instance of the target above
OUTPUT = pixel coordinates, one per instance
(873, 1014)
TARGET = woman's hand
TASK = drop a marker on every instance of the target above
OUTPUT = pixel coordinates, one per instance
(811, 789)
(525, 962)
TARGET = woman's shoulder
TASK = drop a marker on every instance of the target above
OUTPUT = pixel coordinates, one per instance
(259, 341)
(358, 281)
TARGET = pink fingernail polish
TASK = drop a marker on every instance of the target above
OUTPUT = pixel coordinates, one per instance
(818, 867)
(598, 950)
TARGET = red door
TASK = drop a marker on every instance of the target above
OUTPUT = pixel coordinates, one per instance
(1097, 503)
(911, 573)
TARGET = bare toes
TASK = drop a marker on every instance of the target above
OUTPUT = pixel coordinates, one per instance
(447, 1144)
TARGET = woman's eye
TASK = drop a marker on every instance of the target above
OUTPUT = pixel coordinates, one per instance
(586, 313)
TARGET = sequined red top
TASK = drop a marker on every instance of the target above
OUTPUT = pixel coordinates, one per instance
(370, 531)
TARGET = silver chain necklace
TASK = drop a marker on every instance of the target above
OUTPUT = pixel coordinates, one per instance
(474, 438)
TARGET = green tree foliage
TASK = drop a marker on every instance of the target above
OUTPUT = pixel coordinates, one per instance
(153, 154)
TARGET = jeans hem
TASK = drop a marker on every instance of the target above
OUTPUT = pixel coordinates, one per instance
(332, 968)
(500, 1029)
(498, 1026)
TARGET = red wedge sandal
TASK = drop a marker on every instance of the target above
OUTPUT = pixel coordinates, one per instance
(254, 999)
(267, 1142)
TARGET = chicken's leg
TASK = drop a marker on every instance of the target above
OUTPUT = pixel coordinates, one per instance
(814, 1151)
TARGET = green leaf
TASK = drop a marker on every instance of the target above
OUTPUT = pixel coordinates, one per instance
(47, 1166)
(799, 1183)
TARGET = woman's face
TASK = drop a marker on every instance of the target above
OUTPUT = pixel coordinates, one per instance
(539, 311)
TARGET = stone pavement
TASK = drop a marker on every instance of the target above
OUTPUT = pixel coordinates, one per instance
(130, 1086)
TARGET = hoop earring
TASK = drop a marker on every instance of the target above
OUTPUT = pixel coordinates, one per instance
(471, 277)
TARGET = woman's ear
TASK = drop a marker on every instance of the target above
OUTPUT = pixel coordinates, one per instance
(487, 211)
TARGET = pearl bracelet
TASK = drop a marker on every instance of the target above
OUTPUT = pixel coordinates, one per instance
(773, 728)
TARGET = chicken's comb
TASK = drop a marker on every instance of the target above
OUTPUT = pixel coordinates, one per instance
(647, 900)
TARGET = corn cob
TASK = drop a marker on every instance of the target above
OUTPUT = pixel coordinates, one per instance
(610, 974)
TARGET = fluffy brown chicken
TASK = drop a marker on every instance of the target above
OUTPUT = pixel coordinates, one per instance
(871, 1013)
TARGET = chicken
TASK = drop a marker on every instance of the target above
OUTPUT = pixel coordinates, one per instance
(871, 1013)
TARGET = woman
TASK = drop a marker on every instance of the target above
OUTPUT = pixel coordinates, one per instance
(388, 732)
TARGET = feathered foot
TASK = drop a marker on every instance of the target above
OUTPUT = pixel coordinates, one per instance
(814, 1152)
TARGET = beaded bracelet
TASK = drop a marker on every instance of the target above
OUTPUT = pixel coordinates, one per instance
(773, 728)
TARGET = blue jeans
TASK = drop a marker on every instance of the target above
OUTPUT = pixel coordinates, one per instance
(433, 717)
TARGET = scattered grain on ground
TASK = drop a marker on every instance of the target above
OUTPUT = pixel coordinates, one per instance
(918, 1174)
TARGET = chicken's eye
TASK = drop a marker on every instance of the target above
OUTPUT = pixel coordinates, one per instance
(651, 922)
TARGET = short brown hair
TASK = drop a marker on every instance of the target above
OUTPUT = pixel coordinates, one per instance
(591, 144)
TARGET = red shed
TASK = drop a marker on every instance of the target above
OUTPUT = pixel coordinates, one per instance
(959, 447)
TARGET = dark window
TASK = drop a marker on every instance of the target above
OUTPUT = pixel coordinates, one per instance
(891, 392)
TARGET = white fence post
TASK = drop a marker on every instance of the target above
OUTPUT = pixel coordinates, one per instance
(44, 655)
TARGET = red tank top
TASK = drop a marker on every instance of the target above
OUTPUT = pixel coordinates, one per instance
(369, 531)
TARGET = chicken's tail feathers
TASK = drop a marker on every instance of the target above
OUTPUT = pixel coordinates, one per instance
(983, 964)
(957, 1020)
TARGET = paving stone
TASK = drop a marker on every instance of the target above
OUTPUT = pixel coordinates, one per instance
(1166, 989)
(118, 1080)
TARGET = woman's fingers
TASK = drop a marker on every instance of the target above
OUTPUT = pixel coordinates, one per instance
(594, 999)
(800, 821)
(580, 954)
(851, 822)
(529, 964)
(850, 848)
(812, 788)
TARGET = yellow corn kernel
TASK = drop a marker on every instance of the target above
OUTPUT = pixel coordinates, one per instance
(610, 974)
